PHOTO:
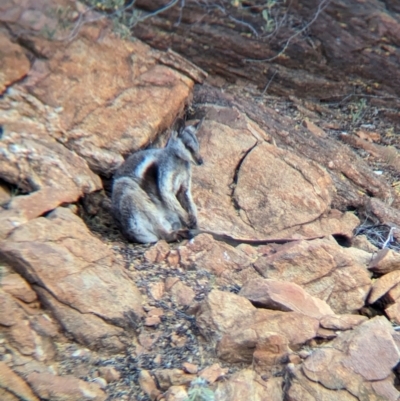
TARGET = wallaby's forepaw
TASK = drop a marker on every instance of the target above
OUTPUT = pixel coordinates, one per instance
(183, 234)
(192, 221)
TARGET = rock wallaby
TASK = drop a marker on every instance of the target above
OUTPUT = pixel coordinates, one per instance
(151, 195)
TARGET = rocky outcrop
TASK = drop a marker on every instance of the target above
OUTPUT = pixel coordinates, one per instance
(241, 329)
(268, 50)
(87, 316)
(57, 388)
(76, 276)
(246, 384)
(323, 270)
(12, 387)
(358, 366)
(15, 64)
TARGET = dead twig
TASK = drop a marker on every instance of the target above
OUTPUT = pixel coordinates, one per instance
(389, 238)
(321, 7)
(252, 29)
(269, 83)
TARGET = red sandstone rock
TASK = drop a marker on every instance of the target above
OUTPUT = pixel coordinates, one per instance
(14, 63)
(248, 385)
(16, 286)
(74, 270)
(284, 296)
(60, 388)
(359, 362)
(148, 385)
(239, 344)
(109, 373)
(203, 252)
(172, 377)
(342, 322)
(213, 373)
(220, 312)
(12, 384)
(383, 285)
(182, 294)
(385, 261)
(322, 269)
(157, 252)
(190, 367)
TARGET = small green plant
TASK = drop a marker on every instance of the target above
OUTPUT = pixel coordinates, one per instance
(268, 17)
(199, 391)
(358, 111)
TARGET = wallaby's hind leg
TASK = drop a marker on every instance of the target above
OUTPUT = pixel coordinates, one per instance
(131, 208)
(139, 218)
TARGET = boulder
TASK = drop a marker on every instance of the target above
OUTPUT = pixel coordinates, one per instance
(108, 109)
(385, 261)
(31, 158)
(74, 270)
(63, 388)
(284, 296)
(13, 385)
(15, 285)
(237, 192)
(238, 327)
(357, 365)
(220, 312)
(24, 332)
(248, 385)
(249, 335)
(276, 190)
(45, 171)
(14, 63)
(383, 285)
(342, 322)
(322, 269)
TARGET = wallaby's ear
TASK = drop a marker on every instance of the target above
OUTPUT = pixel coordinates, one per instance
(180, 125)
(198, 124)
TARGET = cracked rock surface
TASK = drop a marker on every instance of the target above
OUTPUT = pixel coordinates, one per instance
(87, 316)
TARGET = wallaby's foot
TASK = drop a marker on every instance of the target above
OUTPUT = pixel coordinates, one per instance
(192, 221)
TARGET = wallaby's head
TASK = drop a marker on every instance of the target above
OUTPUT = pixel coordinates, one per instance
(185, 143)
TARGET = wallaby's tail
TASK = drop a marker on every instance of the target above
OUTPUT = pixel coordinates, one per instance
(237, 241)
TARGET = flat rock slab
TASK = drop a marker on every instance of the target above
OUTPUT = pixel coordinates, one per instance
(14, 63)
(203, 252)
(247, 335)
(60, 255)
(277, 190)
(284, 296)
(250, 188)
(12, 384)
(358, 363)
(385, 261)
(247, 385)
(112, 108)
(239, 328)
(62, 388)
(383, 285)
(322, 269)
(31, 158)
